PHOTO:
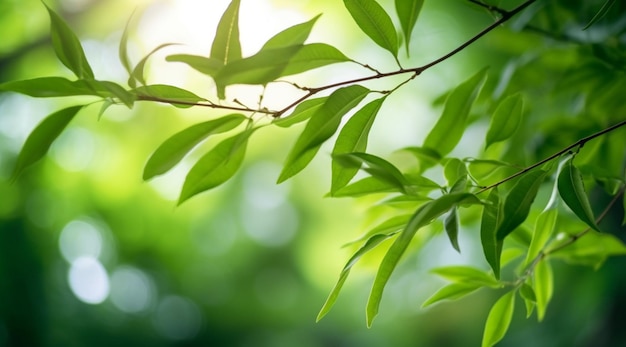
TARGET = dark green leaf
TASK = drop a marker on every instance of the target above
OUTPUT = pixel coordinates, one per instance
(115, 90)
(601, 13)
(366, 186)
(332, 297)
(207, 66)
(292, 36)
(375, 166)
(517, 203)
(422, 217)
(499, 319)
(543, 285)
(408, 11)
(173, 95)
(467, 275)
(572, 191)
(322, 125)
(67, 47)
(544, 228)
(506, 119)
(46, 87)
(452, 291)
(451, 125)
(451, 225)
(353, 138)
(226, 47)
(40, 139)
(302, 112)
(170, 152)
(217, 166)
(374, 22)
(527, 292)
(138, 72)
(492, 215)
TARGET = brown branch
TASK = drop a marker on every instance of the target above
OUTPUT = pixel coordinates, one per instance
(203, 104)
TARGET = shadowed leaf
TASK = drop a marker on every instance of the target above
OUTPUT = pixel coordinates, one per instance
(572, 191)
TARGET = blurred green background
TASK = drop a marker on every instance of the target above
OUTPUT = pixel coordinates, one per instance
(92, 256)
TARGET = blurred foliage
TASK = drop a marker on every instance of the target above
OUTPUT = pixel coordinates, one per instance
(90, 255)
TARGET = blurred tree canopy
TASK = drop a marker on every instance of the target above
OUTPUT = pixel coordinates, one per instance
(482, 144)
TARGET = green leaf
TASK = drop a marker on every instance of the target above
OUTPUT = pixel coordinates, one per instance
(123, 48)
(366, 186)
(170, 152)
(226, 47)
(138, 72)
(451, 291)
(408, 11)
(332, 297)
(544, 228)
(528, 294)
(114, 90)
(451, 125)
(492, 215)
(322, 125)
(499, 319)
(47, 87)
(313, 56)
(453, 170)
(572, 191)
(353, 138)
(376, 166)
(481, 169)
(422, 217)
(41, 138)
(292, 36)
(302, 112)
(217, 166)
(426, 157)
(601, 13)
(375, 22)
(67, 47)
(591, 249)
(517, 203)
(207, 66)
(451, 225)
(391, 226)
(173, 95)
(506, 119)
(467, 275)
(543, 285)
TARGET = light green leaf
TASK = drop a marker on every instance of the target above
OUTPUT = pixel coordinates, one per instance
(173, 95)
(506, 119)
(499, 319)
(543, 285)
(451, 125)
(313, 56)
(426, 157)
(46, 87)
(170, 152)
(112, 90)
(572, 191)
(422, 217)
(302, 112)
(374, 22)
(366, 186)
(332, 297)
(138, 72)
(123, 48)
(544, 228)
(467, 275)
(322, 125)
(601, 13)
(41, 138)
(391, 226)
(67, 47)
(451, 225)
(491, 218)
(408, 11)
(452, 291)
(375, 166)
(453, 170)
(292, 36)
(510, 254)
(353, 138)
(226, 47)
(481, 169)
(517, 203)
(207, 66)
(217, 166)
(591, 249)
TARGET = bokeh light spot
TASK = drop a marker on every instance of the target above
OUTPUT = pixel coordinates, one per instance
(131, 290)
(89, 280)
(79, 238)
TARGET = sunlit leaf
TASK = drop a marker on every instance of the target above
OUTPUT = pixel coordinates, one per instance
(67, 47)
(451, 125)
(170, 152)
(41, 138)
(216, 167)
(374, 22)
(388, 227)
(322, 125)
(226, 47)
(173, 95)
(591, 249)
(452, 291)
(506, 119)
(114, 90)
(332, 297)
(499, 319)
(426, 157)
(138, 72)
(543, 285)
(518, 201)
(467, 275)
(453, 170)
(353, 138)
(601, 13)
(509, 255)
(312, 56)
(408, 11)
(45, 87)
(422, 217)
(366, 186)
(572, 191)
(292, 36)
(123, 48)
(544, 228)
(481, 169)
(375, 166)
(491, 218)
(207, 66)
(302, 112)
